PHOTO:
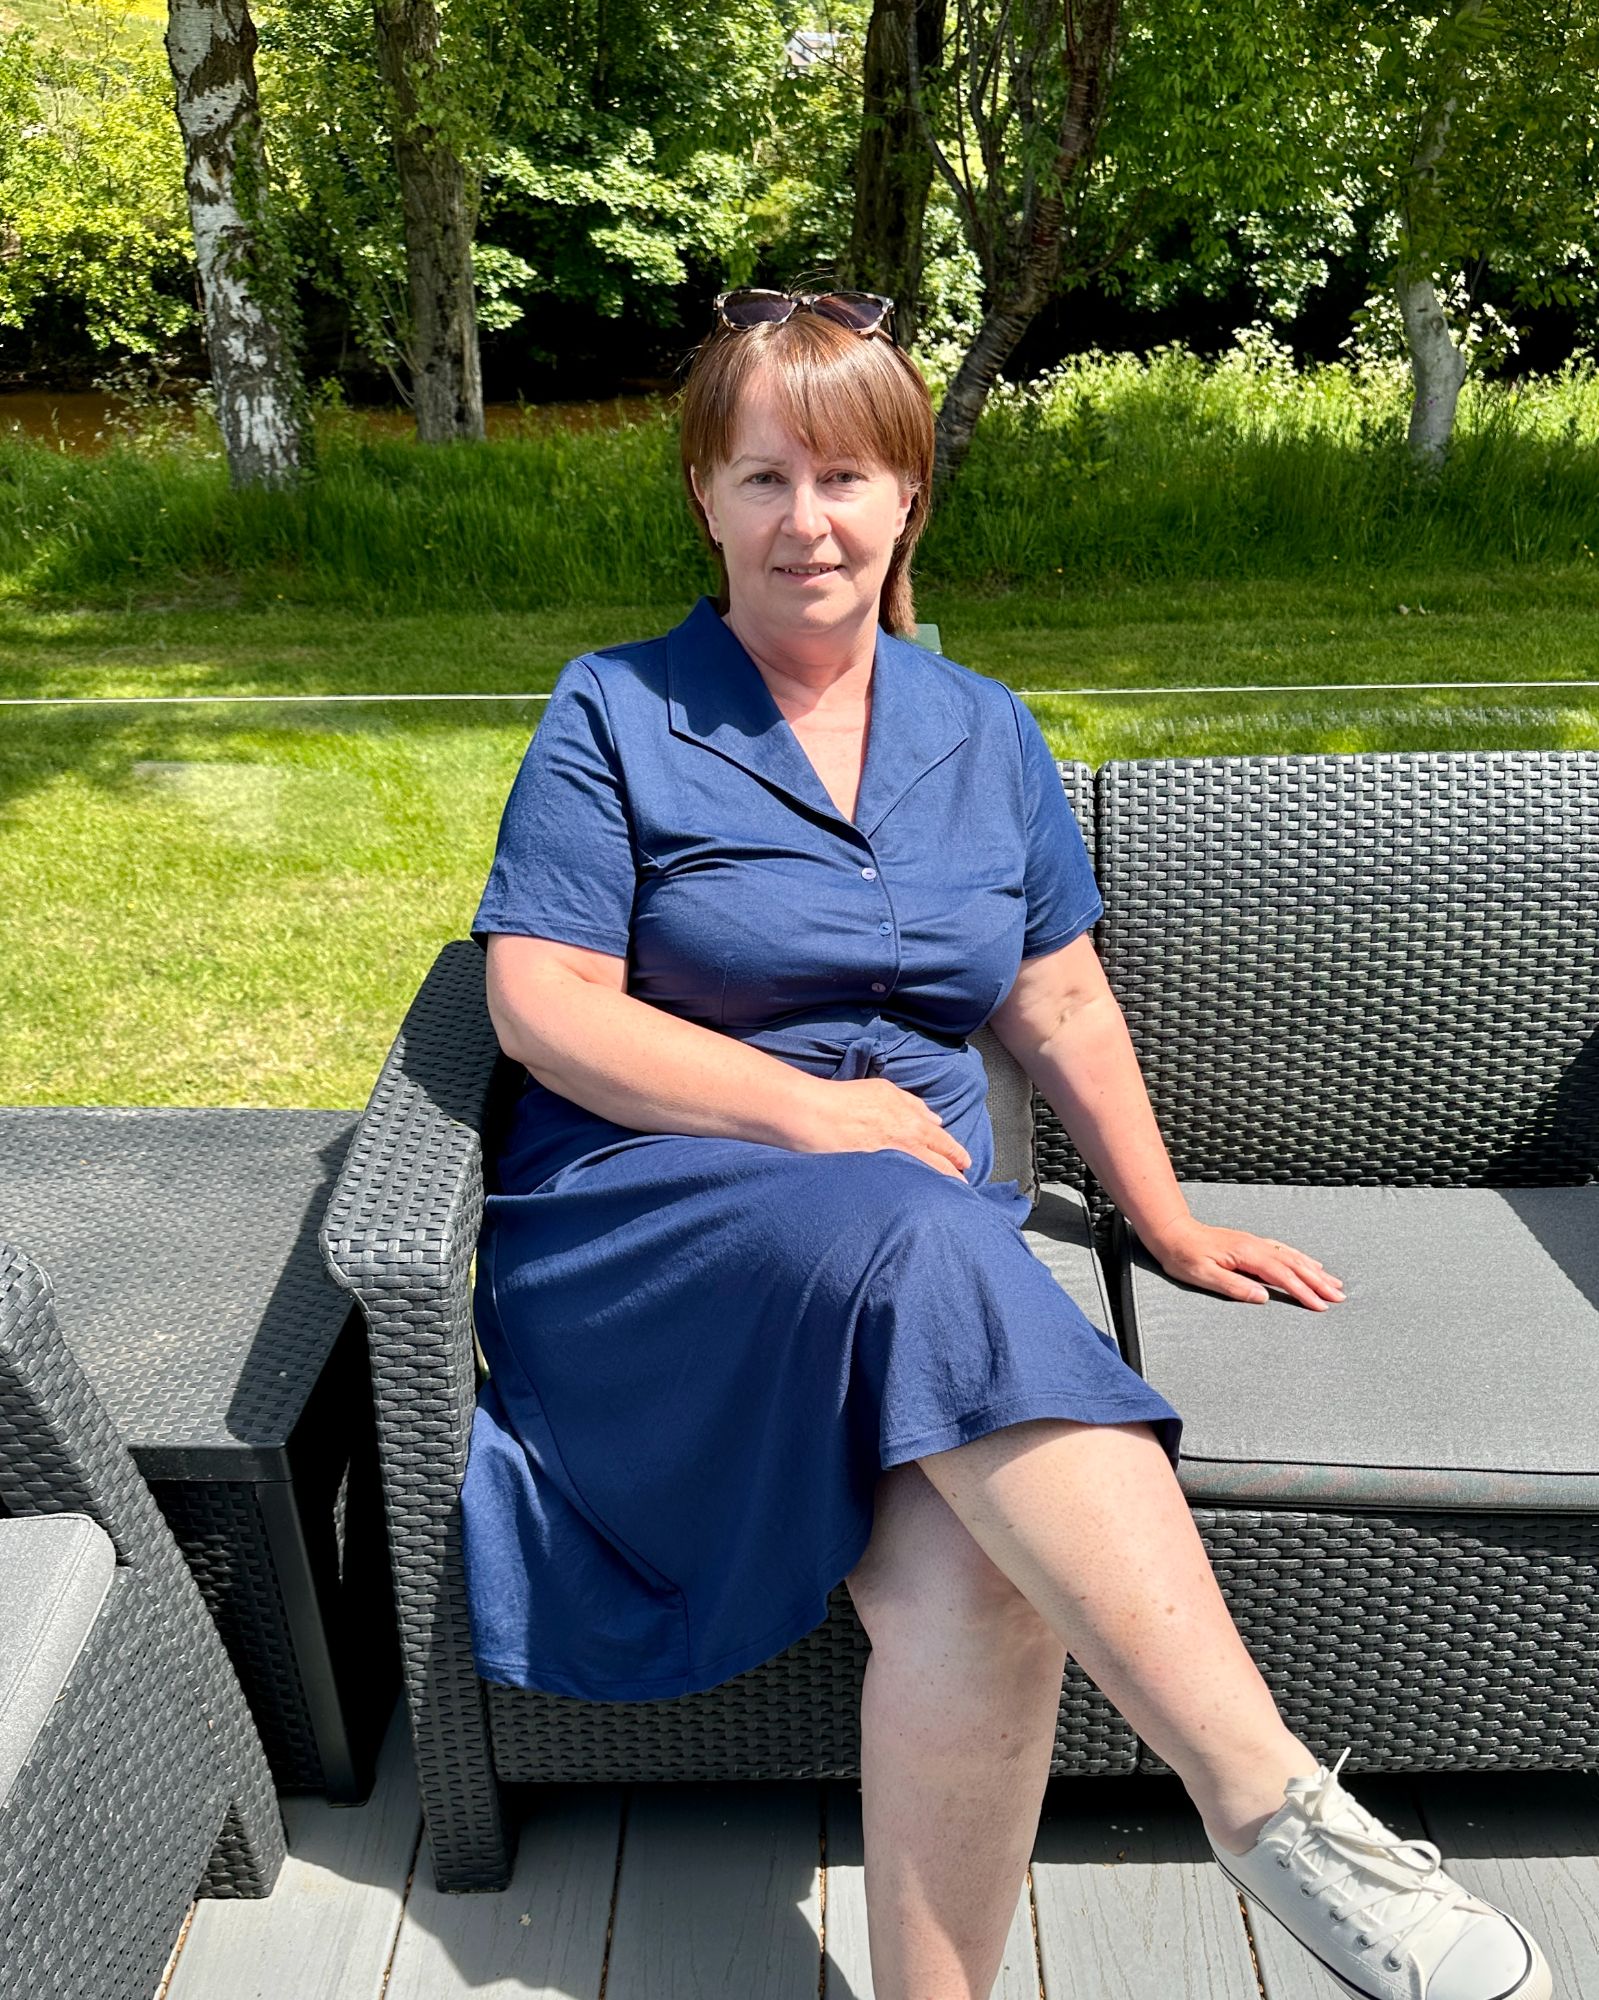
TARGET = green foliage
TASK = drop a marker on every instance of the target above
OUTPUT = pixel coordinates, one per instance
(617, 147)
(645, 166)
(795, 217)
(1208, 163)
(1458, 141)
(92, 207)
(1467, 137)
(332, 126)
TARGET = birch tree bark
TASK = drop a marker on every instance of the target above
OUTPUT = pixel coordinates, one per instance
(893, 168)
(210, 48)
(1436, 363)
(439, 205)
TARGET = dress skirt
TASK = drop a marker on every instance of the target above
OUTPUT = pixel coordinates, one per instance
(703, 1352)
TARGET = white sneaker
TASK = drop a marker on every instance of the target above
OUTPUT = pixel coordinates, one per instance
(1378, 1911)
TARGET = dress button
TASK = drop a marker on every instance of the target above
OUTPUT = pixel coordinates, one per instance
(885, 927)
(870, 874)
(878, 986)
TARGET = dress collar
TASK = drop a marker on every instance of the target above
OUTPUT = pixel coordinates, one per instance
(716, 697)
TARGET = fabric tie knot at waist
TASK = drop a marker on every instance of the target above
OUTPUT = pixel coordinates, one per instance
(861, 1057)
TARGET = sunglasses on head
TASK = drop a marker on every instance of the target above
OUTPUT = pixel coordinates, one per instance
(861, 312)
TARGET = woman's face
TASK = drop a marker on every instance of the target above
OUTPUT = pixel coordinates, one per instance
(807, 540)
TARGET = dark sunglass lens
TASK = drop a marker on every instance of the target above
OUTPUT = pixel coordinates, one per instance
(754, 308)
(857, 310)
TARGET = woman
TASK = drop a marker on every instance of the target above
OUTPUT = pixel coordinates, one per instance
(756, 1316)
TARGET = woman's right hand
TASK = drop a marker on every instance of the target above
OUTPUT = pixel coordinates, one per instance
(865, 1114)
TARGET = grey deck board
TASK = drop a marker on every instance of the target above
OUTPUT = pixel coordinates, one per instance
(849, 1965)
(541, 1938)
(326, 1931)
(718, 1896)
(1528, 1842)
(717, 1890)
(1131, 1904)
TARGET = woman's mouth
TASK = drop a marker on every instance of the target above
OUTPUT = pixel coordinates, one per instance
(807, 571)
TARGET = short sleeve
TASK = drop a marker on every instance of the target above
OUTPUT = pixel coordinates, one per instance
(1062, 896)
(563, 866)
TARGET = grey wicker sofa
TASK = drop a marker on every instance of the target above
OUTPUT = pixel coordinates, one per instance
(1344, 975)
(138, 1781)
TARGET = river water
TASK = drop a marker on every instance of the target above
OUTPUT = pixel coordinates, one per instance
(84, 420)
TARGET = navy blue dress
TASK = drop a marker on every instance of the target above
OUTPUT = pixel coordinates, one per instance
(703, 1351)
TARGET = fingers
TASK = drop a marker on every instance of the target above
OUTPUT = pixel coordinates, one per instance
(945, 1142)
(1307, 1278)
(950, 1159)
(1235, 1285)
(1301, 1277)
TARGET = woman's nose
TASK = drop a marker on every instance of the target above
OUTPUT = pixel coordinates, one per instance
(805, 511)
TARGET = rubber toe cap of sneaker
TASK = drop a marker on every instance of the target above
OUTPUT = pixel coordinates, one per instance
(1492, 1959)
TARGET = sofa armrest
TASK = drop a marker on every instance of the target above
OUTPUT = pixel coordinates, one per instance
(412, 1180)
(400, 1232)
(60, 1453)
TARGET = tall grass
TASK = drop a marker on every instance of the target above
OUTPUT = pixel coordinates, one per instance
(1111, 468)
(1116, 468)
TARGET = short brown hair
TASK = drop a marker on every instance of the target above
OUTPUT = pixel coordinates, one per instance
(836, 392)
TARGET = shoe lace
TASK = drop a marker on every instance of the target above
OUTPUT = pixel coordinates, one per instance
(1367, 1839)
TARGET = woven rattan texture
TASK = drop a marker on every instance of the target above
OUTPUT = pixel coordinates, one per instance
(795, 1716)
(111, 1821)
(1425, 1641)
(182, 1246)
(60, 1453)
(1378, 969)
(400, 1231)
(219, 1528)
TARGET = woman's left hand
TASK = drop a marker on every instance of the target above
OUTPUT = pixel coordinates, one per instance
(1230, 1260)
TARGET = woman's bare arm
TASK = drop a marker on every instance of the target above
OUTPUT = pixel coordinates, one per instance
(1065, 1027)
(562, 1012)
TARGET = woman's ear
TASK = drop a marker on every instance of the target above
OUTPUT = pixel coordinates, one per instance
(703, 498)
(907, 500)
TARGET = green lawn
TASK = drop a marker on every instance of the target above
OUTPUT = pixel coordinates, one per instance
(231, 904)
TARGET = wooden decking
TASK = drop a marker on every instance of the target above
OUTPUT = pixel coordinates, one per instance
(754, 1892)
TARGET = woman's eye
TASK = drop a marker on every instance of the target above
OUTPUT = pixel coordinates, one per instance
(843, 472)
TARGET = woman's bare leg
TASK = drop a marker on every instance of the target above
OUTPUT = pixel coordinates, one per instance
(958, 1715)
(1089, 1523)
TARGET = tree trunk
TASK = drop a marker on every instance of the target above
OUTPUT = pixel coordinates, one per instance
(1002, 328)
(210, 48)
(439, 218)
(893, 168)
(1030, 268)
(1437, 366)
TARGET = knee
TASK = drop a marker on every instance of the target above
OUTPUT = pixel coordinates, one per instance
(953, 1611)
(892, 1187)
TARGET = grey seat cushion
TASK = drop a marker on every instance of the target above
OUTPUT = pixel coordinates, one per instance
(1460, 1370)
(1057, 1232)
(1010, 1113)
(55, 1570)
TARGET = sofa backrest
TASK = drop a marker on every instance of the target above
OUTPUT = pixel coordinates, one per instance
(1343, 969)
